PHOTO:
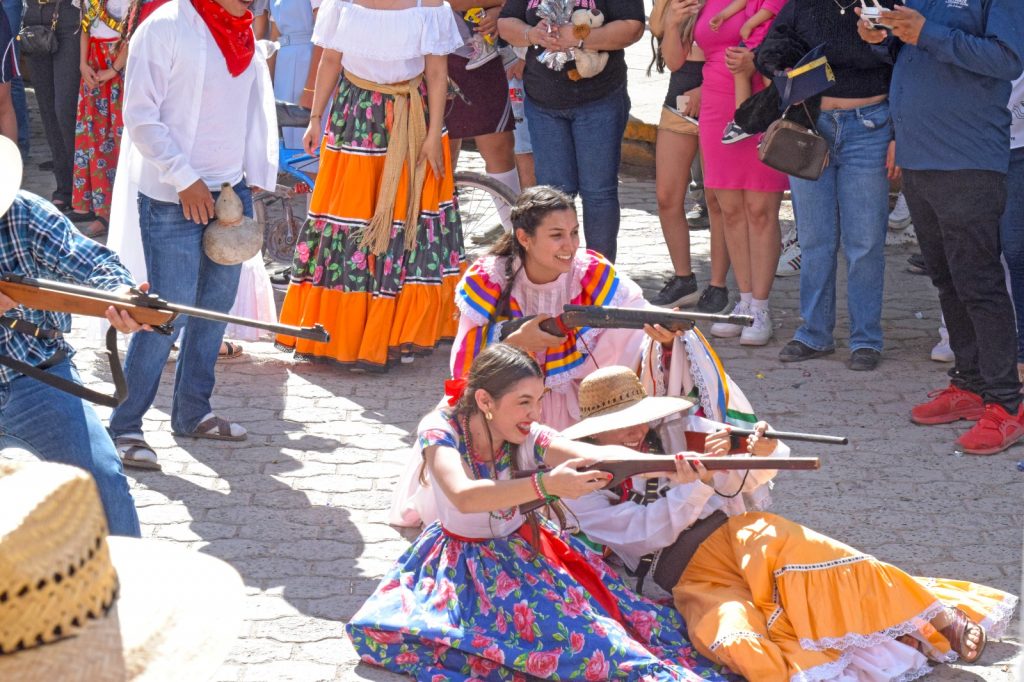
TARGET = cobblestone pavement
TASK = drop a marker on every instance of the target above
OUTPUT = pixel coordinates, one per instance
(299, 508)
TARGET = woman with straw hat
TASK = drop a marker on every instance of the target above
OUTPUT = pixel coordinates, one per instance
(762, 595)
(78, 606)
(488, 593)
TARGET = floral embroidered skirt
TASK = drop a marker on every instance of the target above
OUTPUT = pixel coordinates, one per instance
(377, 308)
(775, 602)
(495, 609)
(97, 134)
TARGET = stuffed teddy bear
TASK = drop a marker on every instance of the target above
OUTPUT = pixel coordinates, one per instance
(589, 63)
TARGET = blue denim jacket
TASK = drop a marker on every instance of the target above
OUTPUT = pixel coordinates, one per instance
(949, 92)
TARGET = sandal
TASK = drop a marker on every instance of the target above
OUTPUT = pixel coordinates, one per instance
(216, 428)
(229, 350)
(133, 453)
(956, 632)
(97, 228)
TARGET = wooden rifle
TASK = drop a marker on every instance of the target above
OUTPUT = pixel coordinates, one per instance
(622, 469)
(608, 317)
(143, 307)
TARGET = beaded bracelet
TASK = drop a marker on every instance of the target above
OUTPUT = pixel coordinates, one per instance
(540, 484)
(537, 489)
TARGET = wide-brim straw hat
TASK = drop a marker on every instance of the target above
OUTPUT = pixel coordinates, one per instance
(613, 398)
(10, 173)
(88, 607)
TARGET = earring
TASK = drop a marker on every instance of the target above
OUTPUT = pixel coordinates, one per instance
(489, 416)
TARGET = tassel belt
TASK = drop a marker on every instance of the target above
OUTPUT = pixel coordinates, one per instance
(408, 132)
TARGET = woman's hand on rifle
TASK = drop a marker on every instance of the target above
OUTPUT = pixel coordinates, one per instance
(565, 481)
(660, 334)
(531, 338)
(121, 321)
(719, 443)
(689, 471)
(757, 444)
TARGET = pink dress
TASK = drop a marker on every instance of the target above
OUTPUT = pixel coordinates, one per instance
(733, 166)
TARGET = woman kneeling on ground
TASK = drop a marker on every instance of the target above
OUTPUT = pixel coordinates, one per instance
(764, 596)
(488, 592)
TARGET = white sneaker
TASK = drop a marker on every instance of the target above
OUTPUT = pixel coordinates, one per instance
(725, 330)
(789, 261)
(760, 333)
(942, 352)
(900, 219)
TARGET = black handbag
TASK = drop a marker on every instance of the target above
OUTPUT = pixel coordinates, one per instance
(40, 40)
(793, 149)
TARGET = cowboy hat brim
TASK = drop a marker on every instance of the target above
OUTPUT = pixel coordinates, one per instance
(175, 618)
(641, 412)
(10, 173)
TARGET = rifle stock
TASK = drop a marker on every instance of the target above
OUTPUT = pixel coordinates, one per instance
(609, 317)
(621, 469)
(145, 308)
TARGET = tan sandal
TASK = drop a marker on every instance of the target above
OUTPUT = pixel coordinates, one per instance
(960, 626)
(230, 351)
(130, 448)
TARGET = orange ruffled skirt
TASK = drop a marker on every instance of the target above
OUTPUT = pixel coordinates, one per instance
(774, 601)
(377, 308)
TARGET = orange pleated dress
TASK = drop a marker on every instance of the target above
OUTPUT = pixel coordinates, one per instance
(777, 602)
(377, 308)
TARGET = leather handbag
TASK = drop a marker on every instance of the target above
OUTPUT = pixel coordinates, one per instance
(793, 149)
(39, 40)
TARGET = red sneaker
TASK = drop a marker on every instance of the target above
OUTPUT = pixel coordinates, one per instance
(995, 431)
(948, 405)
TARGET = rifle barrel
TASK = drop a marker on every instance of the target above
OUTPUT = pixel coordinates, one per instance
(314, 333)
(794, 435)
(636, 318)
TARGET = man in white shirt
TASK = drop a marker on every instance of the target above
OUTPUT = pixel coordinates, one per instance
(198, 112)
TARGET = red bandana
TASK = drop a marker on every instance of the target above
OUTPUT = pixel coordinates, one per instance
(232, 34)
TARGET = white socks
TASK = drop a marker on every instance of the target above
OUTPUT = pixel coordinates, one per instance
(236, 429)
(746, 297)
(511, 180)
(758, 303)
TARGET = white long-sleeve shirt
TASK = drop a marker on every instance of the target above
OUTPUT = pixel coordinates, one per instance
(175, 92)
(632, 530)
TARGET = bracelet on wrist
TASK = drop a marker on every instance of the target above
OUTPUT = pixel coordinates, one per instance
(537, 490)
(307, 89)
(540, 484)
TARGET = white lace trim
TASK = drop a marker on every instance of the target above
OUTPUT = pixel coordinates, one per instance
(733, 636)
(779, 572)
(830, 671)
(998, 620)
(859, 641)
(701, 383)
(774, 617)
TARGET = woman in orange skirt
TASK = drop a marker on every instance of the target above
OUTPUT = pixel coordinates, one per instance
(770, 599)
(381, 251)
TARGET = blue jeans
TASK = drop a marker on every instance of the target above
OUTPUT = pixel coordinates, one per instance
(13, 10)
(847, 206)
(578, 151)
(1011, 235)
(58, 427)
(180, 272)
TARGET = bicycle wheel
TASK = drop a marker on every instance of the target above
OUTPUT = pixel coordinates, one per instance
(480, 200)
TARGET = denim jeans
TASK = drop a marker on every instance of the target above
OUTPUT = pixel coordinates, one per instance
(56, 78)
(13, 9)
(1011, 235)
(59, 427)
(846, 207)
(578, 150)
(956, 216)
(180, 272)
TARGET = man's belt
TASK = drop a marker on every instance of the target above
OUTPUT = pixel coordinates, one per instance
(672, 560)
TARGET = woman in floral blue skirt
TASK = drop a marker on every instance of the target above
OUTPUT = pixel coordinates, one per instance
(489, 593)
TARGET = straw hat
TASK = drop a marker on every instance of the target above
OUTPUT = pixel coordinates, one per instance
(613, 398)
(10, 173)
(77, 605)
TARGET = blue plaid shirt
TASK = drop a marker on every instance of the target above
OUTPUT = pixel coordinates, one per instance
(37, 240)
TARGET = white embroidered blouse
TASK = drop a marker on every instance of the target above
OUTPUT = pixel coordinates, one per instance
(385, 46)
